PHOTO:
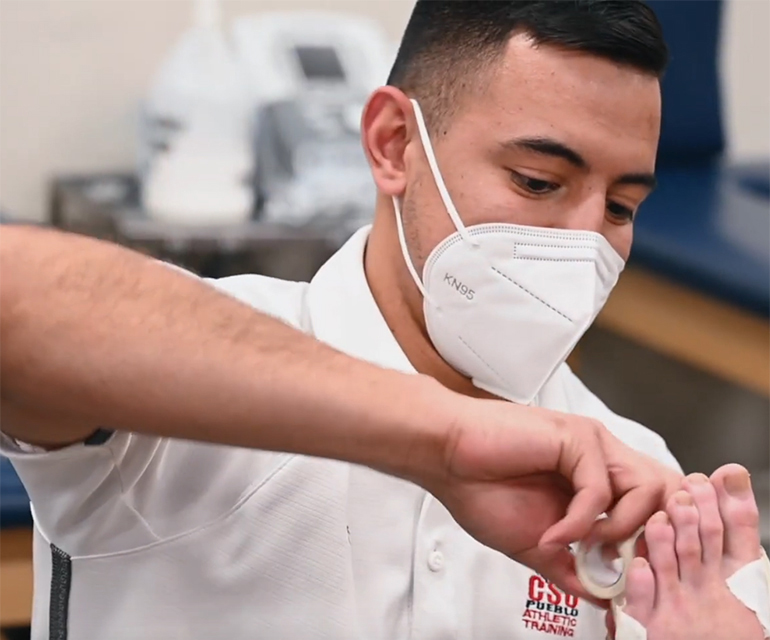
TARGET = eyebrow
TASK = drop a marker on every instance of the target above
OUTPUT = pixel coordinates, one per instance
(643, 179)
(556, 149)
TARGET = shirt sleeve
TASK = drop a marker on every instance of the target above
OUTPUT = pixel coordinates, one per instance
(76, 491)
(134, 490)
(118, 491)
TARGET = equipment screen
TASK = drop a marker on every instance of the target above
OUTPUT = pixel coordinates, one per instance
(320, 63)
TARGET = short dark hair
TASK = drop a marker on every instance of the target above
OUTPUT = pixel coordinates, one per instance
(448, 43)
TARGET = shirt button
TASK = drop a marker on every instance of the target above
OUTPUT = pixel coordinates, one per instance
(436, 561)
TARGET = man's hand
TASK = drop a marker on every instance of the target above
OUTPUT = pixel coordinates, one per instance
(529, 481)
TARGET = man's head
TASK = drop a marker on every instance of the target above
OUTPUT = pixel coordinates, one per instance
(449, 48)
(541, 112)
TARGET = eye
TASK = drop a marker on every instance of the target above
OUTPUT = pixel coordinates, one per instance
(533, 185)
(621, 213)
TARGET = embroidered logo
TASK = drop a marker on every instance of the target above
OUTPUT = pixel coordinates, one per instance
(549, 610)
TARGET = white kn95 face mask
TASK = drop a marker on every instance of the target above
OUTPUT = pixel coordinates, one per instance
(505, 304)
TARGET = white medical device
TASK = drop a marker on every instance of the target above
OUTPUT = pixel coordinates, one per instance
(234, 118)
(310, 73)
(194, 144)
(287, 53)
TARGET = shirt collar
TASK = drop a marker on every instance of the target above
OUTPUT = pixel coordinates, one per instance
(344, 314)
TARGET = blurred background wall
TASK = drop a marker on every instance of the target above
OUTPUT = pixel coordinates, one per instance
(73, 71)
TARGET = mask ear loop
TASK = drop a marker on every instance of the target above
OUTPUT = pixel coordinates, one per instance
(438, 178)
(407, 258)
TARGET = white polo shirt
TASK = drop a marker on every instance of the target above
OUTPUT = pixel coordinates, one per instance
(141, 538)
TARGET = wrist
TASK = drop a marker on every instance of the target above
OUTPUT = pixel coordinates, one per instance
(418, 430)
(393, 422)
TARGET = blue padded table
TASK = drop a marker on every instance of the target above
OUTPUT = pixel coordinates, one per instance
(697, 288)
(708, 227)
(14, 503)
(708, 224)
(754, 177)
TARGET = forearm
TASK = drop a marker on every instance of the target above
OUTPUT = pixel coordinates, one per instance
(95, 334)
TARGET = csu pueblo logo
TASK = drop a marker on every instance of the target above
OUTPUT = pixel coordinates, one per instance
(549, 609)
(464, 290)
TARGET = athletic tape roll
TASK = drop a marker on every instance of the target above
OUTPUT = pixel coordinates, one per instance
(599, 579)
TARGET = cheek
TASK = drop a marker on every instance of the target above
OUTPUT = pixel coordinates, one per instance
(426, 221)
(484, 194)
(621, 239)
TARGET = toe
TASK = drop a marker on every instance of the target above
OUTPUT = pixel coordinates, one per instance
(684, 518)
(640, 591)
(710, 521)
(660, 538)
(740, 516)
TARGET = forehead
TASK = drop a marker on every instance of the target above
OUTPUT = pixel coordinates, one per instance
(582, 100)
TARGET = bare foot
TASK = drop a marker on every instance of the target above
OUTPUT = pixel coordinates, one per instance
(708, 531)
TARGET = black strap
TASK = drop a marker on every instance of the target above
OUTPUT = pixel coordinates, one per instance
(61, 583)
(98, 437)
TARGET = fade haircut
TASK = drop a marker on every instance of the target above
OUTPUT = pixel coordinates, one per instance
(449, 45)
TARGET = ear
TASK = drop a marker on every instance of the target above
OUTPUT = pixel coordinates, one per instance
(387, 127)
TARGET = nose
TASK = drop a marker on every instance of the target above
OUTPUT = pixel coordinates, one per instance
(588, 213)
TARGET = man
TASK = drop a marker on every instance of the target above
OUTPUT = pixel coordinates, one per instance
(502, 221)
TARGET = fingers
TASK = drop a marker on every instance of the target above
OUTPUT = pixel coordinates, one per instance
(582, 462)
(627, 516)
(584, 508)
(642, 485)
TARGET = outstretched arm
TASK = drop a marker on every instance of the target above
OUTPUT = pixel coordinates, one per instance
(96, 335)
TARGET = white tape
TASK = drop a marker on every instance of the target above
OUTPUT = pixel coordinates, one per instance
(600, 580)
(626, 627)
(751, 585)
